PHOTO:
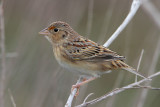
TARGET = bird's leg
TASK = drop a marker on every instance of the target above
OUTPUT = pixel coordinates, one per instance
(84, 81)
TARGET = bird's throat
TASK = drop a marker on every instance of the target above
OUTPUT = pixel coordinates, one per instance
(49, 39)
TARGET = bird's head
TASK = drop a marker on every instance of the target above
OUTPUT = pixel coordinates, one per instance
(57, 32)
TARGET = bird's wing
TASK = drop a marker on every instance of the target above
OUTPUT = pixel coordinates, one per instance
(84, 49)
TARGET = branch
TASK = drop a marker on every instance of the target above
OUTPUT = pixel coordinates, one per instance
(152, 68)
(87, 97)
(2, 44)
(147, 87)
(134, 7)
(110, 102)
(139, 62)
(116, 91)
(72, 94)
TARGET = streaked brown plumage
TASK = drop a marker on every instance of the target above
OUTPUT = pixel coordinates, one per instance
(80, 54)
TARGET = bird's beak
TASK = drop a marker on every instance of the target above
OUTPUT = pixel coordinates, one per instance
(44, 32)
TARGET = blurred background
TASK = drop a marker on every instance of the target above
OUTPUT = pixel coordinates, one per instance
(35, 79)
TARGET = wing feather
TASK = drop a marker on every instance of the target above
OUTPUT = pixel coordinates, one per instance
(84, 49)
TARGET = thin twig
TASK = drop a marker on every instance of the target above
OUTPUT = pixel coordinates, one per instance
(116, 91)
(111, 101)
(87, 97)
(90, 17)
(139, 62)
(134, 7)
(12, 99)
(2, 44)
(147, 87)
(152, 68)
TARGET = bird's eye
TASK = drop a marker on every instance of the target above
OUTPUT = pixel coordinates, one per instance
(55, 30)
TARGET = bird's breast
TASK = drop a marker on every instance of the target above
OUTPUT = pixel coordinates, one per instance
(62, 58)
(80, 67)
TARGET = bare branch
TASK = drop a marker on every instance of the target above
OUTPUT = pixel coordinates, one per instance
(151, 71)
(135, 6)
(87, 97)
(147, 87)
(2, 44)
(153, 12)
(139, 62)
(73, 93)
(116, 91)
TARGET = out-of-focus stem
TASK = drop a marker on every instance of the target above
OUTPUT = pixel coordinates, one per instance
(3, 60)
(90, 17)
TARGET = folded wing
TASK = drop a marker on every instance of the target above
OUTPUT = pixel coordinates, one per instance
(84, 49)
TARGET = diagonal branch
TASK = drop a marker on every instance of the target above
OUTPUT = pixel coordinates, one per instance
(139, 63)
(116, 91)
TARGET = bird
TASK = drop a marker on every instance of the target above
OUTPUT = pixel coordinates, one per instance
(82, 55)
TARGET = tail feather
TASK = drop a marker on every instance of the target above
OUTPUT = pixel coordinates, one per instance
(135, 72)
(121, 64)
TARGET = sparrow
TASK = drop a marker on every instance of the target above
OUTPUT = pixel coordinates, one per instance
(81, 55)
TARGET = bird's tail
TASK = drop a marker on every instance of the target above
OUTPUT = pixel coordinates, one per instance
(121, 64)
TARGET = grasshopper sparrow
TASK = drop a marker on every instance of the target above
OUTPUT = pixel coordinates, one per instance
(82, 55)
